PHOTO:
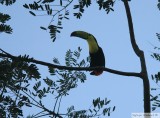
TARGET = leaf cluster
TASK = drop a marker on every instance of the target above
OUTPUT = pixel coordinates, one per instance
(156, 102)
(100, 107)
(21, 80)
(62, 13)
(156, 78)
(46, 6)
(3, 27)
(14, 78)
(36, 6)
(69, 79)
(7, 2)
(106, 5)
(80, 7)
(158, 5)
(156, 56)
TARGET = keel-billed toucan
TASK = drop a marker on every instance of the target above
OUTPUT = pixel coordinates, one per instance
(97, 58)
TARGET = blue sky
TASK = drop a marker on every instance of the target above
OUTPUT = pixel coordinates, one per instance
(112, 34)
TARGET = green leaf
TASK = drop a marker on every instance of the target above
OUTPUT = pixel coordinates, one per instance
(49, 82)
(51, 70)
(8, 2)
(56, 61)
(114, 108)
(5, 28)
(78, 15)
(107, 102)
(32, 13)
(4, 17)
(37, 85)
(47, 7)
(66, 18)
(47, 1)
(43, 28)
(58, 31)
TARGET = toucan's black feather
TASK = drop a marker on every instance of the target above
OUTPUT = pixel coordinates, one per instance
(97, 59)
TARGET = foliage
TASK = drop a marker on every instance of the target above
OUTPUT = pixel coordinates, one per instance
(3, 27)
(106, 5)
(53, 9)
(97, 104)
(4, 17)
(80, 7)
(7, 2)
(156, 102)
(22, 86)
(156, 55)
(20, 81)
(59, 10)
(156, 78)
(158, 5)
(69, 79)
(14, 78)
(156, 98)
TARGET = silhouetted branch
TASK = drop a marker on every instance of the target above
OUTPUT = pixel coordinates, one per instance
(140, 54)
(64, 7)
(44, 108)
(72, 68)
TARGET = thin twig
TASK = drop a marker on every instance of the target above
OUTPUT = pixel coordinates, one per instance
(2, 91)
(38, 113)
(59, 104)
(60, 11)
(55, 104)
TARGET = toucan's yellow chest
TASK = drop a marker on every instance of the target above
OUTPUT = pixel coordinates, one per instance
(93, 46)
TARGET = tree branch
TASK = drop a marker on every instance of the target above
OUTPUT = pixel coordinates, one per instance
(72, 68)
(140, 54)
(131, 29)
(43, 107)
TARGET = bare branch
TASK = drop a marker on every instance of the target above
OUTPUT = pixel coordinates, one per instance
(131, 29)
(73, 68)
(140, 54)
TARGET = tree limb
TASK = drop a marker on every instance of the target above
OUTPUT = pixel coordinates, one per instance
(140, 54)
(72, 68)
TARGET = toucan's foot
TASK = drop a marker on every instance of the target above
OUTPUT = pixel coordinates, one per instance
(96, 73)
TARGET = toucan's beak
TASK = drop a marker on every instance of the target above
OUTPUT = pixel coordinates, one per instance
(74, 33)
(80, 34)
